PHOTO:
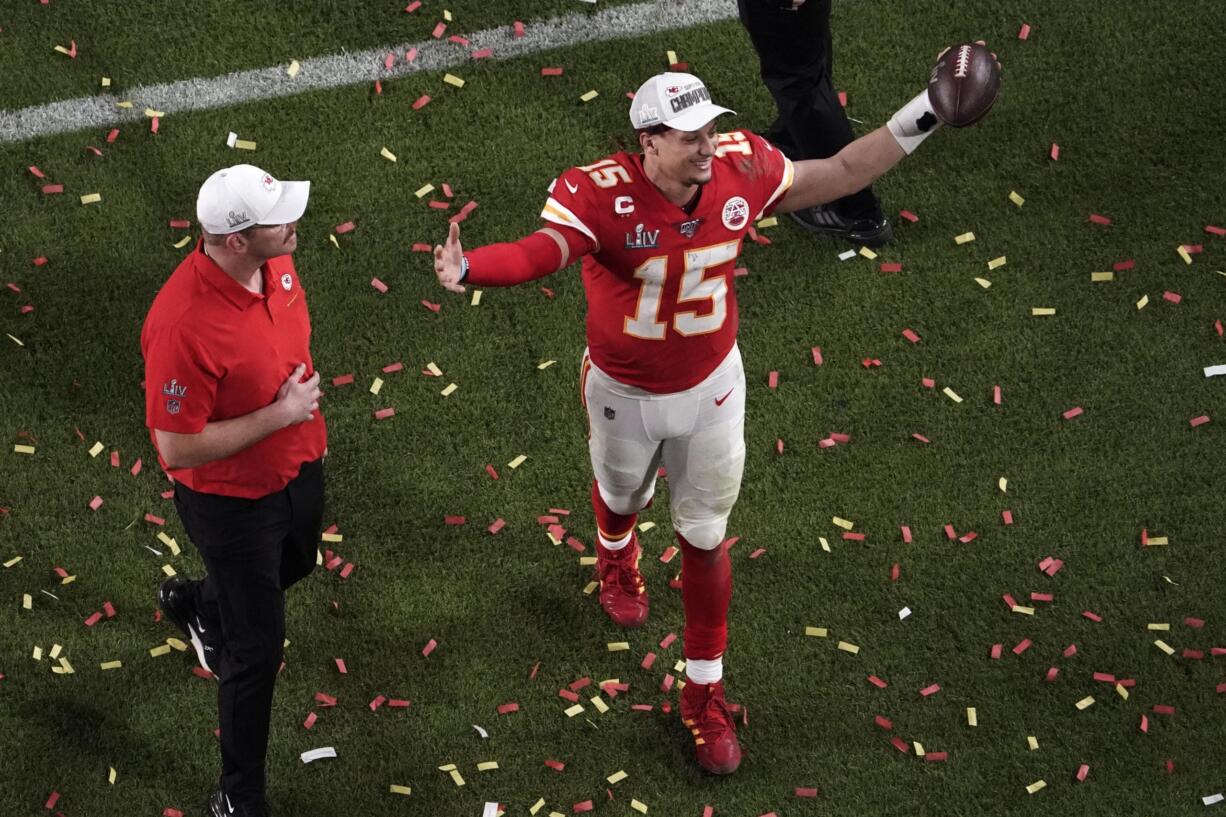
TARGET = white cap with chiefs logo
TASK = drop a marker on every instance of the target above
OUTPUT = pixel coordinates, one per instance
(680, 101)
(243, 196)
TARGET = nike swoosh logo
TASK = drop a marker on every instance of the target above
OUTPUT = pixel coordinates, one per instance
(571, 187)
(719, 401)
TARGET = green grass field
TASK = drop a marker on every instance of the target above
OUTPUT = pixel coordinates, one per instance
(1132, 94)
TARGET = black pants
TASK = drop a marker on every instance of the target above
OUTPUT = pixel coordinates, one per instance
(253, 549)
(795, 57)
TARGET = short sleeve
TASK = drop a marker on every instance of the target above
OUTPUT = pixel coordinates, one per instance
(180, 389)
(571, 205)
(770, 171)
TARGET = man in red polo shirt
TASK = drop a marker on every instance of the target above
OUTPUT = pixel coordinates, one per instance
(232, 405)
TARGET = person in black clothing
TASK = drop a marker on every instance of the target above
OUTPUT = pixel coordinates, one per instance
(792, 38)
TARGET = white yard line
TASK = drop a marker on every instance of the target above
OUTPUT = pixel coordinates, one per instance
(615, 23)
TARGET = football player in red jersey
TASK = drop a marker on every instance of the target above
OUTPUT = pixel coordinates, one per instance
(659, 233)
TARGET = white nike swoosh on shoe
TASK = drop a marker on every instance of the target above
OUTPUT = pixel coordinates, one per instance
(198, 644)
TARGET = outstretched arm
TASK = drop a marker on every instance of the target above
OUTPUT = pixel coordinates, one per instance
(542, 253)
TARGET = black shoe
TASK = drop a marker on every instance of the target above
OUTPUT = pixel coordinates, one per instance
(174, 599)
(874, 231)
(221, 806)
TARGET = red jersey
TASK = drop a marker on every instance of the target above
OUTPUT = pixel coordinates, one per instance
(214, 351)
(661, 304)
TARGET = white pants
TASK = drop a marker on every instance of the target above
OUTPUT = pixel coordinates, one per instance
(699, 434)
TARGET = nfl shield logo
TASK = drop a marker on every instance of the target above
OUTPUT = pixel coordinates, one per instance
(172, 406)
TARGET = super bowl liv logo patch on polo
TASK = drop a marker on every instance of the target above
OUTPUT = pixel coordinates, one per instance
(287, 282)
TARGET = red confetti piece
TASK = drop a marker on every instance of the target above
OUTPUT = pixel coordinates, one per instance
(909, 216)
(154, 124)
(667, 683)
(586, 805)
(1193, 249)
(970, 536)
(115, 464)
(1024, 32)
(421, 102)
(433, 307)
(95, 503)
(109, 609)
(156, 520)
(1172, 297)
(519, 29)
(805, 792)
(483, 53)
(379, 285)
(497, 525)
(843, 99)
(1194, 655)
(439, 205)
(642, 707)
(556, 765)
(1052, 672)
(900, 744)
(489, 469)
(1198, 421)
(648, 660)
(668, 641)
(508, 708)
(778, 446)
(895, 572)
(40, 261)
(906, 534)
(1194, 623)
(1009, 601)
(1212, 230)
(1075, 411)
(921, 438)
(93, 619)
(340, 666)
(950, 533)
(877, 682)
(911, 336)
(398, 703)
(324, 700)
(410, 55)
(1082, 771)
(817, 355)
(412, 7)
(1145, 724)
(1217, 325)
(112, 136)
(38, 174)
(1041, 596)
(935, 757)
(52, 189)
(757, 553)
(453, 520)
(996, 650)
(1105, 677)
(1022, 646)
(310, 720)
(891, 267)
(458, 40)
(429, 648)
(933, 689)
(848, 536)
(1163, 709)
(341, 229)
(1055, 152)
(439, 30)
(384, 413)
(551, 72)
(772, 380)
(883, 722)
(171, 812)
(996, 396)
(575, 545)
(1091, 616)
(342, 380)
(1007, 517)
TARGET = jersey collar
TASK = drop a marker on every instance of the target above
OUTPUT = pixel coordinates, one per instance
(214, 276)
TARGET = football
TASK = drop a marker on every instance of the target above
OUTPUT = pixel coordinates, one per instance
(964, 84)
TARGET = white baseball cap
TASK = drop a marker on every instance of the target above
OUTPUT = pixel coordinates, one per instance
(243, 196)
(679, 101)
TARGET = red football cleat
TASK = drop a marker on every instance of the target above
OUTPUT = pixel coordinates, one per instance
(705, 713)
(623, 594)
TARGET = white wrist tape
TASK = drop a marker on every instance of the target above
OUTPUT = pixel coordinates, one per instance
(913, 122)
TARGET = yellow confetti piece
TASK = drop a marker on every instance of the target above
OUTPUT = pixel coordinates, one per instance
(111, 665)
(183, 242)
(487, 766)
(1003, 484)
(1184, 254)
(64, 668)
(1166, 648)
(332, 537)
(590, 587)
(434, 370)
(618, 646)
(387, 154)
(845, 524)
(450, 388)
(169, 571)
(983, 282)
(919, 748)
(244, 144)
(1086, 702)
(168, 541)
(68, 580)
(153, 113)
(672, 58)
(867, 253)
(1122, 691)
(815, 632)
(126, 104)
(617, 777)
(821, 540)
(176, 644)
(600, 705)
(537, 806)
(638, 806)
(646, 526)
(518, 461)
(965, 238)
(972, 717)
(111, 776)
(770, 221)
(1156, 540)
(996, 263)
(27, 601)
(679, 666)
(452, 79)
(62, 50)
(1016, 199)
(38, 653)
(293, 70)
(91, 198)
(106, 82)
(545, 365)
(589, 96)
(553, 539)
(160, 650)
(1037, 785)
(1025, 611)
(951, 394)
(376, 385)
(394, 788)
(23, 449)
(447, 15)
(849, 647)
(476, 301)
(424, 190)
(1040, 311)
(96, 449)
(1033, 742)
(574, 710)
(457, 778)
(586, 561)
(447, 767)
(1144, 302)
(1158, 626)
(1101, 277)
(12, 562)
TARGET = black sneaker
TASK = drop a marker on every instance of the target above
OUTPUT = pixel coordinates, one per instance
(174, 599)
(221, 806)
(874, 231)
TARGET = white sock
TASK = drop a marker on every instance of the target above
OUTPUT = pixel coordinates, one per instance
(704, 672)
(617, 544)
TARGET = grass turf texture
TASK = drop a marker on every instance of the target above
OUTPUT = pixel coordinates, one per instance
(1135, 146)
